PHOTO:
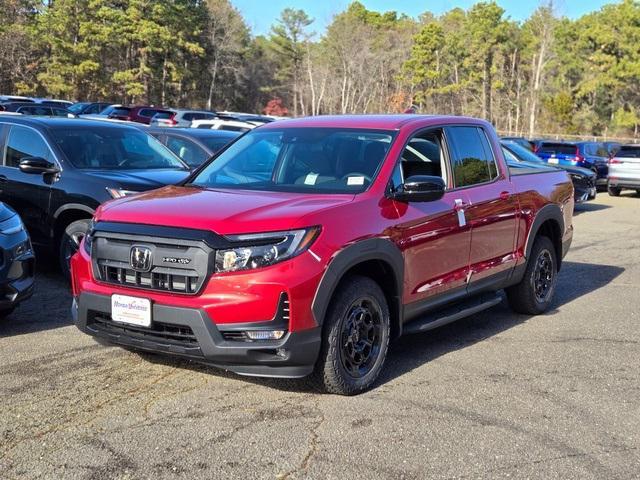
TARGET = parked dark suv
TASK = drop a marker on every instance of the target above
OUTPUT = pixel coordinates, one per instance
(591, 155)
(17, 261)
(55, 172)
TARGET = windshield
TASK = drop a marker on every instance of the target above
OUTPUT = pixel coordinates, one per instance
(521, 153)
(110, 148)
(318, 160)
(77, 107)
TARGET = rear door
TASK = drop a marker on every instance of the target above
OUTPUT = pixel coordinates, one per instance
(27, 193)
(491, 208)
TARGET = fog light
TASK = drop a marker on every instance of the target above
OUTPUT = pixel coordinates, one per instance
(265, 334)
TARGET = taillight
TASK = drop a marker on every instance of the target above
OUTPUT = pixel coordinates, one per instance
(615, 160)
(172, 119)
(579, 158)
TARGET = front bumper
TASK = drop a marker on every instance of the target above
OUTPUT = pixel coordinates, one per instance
(17, 270)
(191, 333)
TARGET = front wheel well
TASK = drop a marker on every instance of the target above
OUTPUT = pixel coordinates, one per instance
(383, 274)
(65, 219)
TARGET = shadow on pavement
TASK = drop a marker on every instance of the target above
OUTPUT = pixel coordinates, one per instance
(410, 352)
(589, 207)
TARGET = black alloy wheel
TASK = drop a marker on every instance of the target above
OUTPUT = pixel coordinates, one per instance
(361, 337)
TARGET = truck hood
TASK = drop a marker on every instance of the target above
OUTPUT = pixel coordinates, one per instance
(140, 180)
(221, 211)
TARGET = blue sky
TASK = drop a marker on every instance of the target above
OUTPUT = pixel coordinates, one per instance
(260, 14)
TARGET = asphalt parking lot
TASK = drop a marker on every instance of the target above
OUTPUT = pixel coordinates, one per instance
(496, 395)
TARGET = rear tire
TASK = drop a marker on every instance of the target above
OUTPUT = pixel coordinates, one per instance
(355, 338)
(614, 191)
(534, 293)
(70, 242)
(638, 191)
(6, 312)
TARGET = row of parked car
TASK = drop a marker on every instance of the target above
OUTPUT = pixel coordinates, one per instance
(143, 114)
(613, 165)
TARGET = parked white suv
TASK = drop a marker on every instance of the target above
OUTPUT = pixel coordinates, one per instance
(624, 170)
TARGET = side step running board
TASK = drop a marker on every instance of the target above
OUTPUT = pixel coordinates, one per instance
(451, 314)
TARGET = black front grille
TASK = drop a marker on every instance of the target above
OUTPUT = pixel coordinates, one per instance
(178, 338)
(176, 265)
(170, 282)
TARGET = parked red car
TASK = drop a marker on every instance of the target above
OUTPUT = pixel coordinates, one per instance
(140, 113)
(308, 244)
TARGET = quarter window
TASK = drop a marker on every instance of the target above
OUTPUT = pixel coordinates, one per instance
(23, 143)
(472, 157)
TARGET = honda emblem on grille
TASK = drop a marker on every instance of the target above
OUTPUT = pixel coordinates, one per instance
(140, 258)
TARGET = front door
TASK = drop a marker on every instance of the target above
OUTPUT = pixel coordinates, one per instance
(28, 194)
(434, 236)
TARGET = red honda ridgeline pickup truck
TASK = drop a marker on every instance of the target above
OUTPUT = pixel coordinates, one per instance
(307, 244)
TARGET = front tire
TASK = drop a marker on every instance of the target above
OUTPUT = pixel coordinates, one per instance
(355, 338)
(70, 242)
(614, 191)
(534, 293)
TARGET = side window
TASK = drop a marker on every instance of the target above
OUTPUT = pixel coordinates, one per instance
(189, 152)
(601, 150)
(472, 158)
(22, 143)
(93, 109)
(424, 155)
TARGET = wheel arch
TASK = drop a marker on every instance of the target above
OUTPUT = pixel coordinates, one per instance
(378, 259)
(549, 221)
(67, 214)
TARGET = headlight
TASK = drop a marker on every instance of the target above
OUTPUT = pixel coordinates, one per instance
(88, 238)
(119, 193)
(11, 225)
(263, 249)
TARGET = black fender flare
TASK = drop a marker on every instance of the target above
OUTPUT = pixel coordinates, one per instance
(548, 212)
(73, 206)
(65, 208)
(371, 249)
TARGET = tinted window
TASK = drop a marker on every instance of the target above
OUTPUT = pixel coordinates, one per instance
(629, 152)
(558, 148)
(522, 153)
(188, 151)
(472, 157)
(22, 143)
(120, 111)
(109, 148)
(313, 160)
(422, 156)
(149, 112)
(33, 110)
(93, 109)
(216, 144)
(77, 108)
(59, 112)
(163, 115)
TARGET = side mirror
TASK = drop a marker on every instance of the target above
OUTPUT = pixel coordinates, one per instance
(37, 165)
(420, 188)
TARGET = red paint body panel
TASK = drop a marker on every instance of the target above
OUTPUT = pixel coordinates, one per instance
(439, 254)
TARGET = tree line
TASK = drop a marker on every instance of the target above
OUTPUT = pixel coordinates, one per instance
(545, 74)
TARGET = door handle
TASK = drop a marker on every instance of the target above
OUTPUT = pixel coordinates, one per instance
(505, 195)
(459, 206)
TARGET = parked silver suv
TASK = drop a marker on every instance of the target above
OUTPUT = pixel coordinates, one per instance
(179, 118)
(624, 170)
